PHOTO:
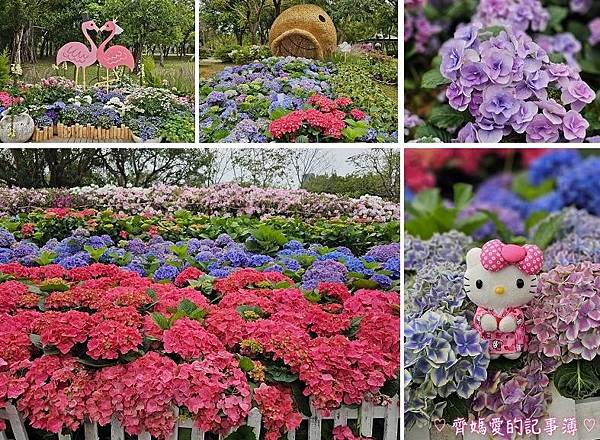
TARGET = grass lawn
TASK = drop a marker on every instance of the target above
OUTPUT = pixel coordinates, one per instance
(179, 72)
(210, 69)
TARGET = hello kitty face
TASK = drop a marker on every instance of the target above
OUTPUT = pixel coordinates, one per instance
(498, 289)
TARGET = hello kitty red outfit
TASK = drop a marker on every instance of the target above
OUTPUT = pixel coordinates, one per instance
(501, 342)
(495, 256)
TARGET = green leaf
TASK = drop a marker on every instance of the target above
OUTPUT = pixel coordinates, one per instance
(364, 284)
(547, 230)
(426, 201)
(463, 194)
(534, 218)
(242, 433)
(472, 223)
(160, 320)
(524, 189)
(312, 296)
(354, 326)
(557, 15)
(35, 340)
(420, 227)
(456, 407)
(186, 306)
(433, 78)
(246, 364)
(501, 228)
(429, 132)
(444, 116)
(278, 373)
(302, 402)
(576, 380)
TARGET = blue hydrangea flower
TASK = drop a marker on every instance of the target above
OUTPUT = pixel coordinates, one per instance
(384, 281)
(6, 238)
(165, 272)
(552, 164)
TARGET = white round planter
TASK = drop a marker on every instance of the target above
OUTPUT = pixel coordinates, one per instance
(16, 128)
(139, 140)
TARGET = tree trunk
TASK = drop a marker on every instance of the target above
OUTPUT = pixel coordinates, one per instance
(17, 44)
(162, 56)
(277, 7)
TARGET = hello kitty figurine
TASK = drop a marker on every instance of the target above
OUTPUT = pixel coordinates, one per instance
(500, 278)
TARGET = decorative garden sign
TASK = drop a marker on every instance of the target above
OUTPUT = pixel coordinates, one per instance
(303, 31)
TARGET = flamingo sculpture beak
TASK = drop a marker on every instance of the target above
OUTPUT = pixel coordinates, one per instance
(118, 29)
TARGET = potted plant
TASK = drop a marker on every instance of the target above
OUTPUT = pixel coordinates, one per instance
(146, 129)
(16, 124)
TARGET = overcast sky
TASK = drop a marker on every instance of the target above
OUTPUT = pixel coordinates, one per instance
(338, 161)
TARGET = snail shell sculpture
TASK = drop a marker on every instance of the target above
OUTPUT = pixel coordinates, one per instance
(303, 31)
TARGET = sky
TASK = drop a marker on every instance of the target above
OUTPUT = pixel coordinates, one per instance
(338, 161)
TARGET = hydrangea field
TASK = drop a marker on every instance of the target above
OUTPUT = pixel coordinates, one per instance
(493, 71)
(290, 99)
(129, 303)
(460, 201)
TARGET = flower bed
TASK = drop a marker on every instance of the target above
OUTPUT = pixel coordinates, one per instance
(223, 199)
(96, 113)
(166, 260)
(268, 99)
(40, 226)
(93, 329)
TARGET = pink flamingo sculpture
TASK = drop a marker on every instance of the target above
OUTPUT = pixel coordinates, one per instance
(114, 56)
(78, 53)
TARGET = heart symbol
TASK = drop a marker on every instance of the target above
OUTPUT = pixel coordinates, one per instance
(589, 424)
(441, 423)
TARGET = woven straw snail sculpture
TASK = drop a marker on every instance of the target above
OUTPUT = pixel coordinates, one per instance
(303, 31)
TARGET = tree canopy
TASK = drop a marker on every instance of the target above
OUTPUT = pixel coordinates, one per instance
(250, 20)
(31, 29)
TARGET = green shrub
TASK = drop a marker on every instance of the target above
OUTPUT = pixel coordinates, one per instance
(205, 52)
(4, 69)
(179, 128)
(354, 81)
(151, 77)
(233, 53)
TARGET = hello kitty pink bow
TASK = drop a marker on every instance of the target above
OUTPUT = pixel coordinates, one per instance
(496, 255)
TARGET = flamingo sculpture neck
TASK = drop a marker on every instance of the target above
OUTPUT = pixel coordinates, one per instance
(93, 47)
(103, 45)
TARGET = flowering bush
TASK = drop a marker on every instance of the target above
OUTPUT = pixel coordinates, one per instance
(551, 102)
(97, 342)
(503, 81)
(563, 320)
(443, 355)
(247, 103)
(58, 100)
(225, 199)
(326, 119)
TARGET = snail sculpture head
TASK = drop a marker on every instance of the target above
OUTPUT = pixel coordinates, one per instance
(303, 31)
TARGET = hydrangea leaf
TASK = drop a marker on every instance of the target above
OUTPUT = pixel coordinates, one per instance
(433, 78)
(576, 380)
(546, 231)
(444, 116)
(242, 433)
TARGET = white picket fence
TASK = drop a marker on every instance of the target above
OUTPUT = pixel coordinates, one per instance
(366, 414)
